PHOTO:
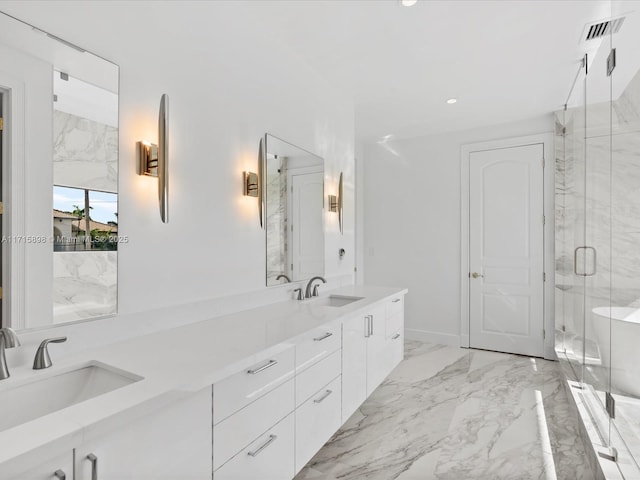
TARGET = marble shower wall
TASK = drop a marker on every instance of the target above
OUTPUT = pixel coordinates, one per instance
(85, 285)
(611, 176)
(85, 153)
(276, 217)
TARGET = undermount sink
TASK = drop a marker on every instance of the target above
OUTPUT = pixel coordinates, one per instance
(337, 300)
(33, 399)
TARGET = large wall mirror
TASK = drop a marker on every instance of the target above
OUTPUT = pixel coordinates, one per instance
(82, 122)
(294, 208)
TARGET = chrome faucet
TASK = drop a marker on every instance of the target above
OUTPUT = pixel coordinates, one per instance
(282, 275)
(307, 292)
(8, 339)
(42, 359)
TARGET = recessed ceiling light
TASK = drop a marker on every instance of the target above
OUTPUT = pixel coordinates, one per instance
(451, 101)
(408, 3)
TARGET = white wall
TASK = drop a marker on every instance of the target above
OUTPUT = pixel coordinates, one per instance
(229, 82)
(412, 222)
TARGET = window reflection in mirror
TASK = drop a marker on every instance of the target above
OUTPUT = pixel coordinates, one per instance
(294, 185)
(84, 220)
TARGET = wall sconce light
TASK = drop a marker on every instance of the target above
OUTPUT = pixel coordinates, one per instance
(340, 202)
(262, 163)
(333, 203)
(250, 184)
(153, 160)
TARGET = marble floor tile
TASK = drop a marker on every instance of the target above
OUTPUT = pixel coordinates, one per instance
(452, 413)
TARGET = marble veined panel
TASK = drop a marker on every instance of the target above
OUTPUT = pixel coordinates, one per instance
(276, 221)
(85, 153)
(84, 285)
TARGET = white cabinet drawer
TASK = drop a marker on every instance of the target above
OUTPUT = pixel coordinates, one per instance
(394, 323)
(269, 457)
(236, 432)
(316, 421)
(21, 470)
(239, 390)
(313, 378)
(317, 344)
(397, 347)
(395, 305)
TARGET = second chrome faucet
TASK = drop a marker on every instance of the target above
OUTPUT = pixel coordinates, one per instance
(308, 293)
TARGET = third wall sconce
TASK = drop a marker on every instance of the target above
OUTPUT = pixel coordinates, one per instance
(340, 203)
(250, 184)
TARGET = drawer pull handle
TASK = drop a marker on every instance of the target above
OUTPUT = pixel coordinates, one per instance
(94, 466)
(371, 323)
(60, 475)
(396, 300)
(326, 335)
(255, 453)
(323, 397)
(270, 364)
(396, 336)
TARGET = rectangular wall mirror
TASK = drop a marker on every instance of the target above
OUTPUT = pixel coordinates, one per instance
(294, 188)
(79, 121)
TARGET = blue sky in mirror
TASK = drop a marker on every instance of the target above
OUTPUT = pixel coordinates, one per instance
(104, 204)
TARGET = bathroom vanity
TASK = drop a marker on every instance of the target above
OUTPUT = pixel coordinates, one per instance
(254, 394)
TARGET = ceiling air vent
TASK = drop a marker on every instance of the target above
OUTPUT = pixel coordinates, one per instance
(600, 29)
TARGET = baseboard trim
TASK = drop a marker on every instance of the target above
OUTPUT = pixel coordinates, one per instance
(432, 337)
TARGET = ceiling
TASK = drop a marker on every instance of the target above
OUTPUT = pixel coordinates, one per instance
(503, 60)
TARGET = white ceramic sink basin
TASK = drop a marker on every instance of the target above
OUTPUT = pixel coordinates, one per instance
(29, 400)
(337, 300)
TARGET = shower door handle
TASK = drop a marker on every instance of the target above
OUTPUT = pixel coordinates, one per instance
(587, 272)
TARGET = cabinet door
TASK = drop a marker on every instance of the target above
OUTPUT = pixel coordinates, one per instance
(171, 443)
(317, 420)
(378, 365)
(354, 364)
(58, 468)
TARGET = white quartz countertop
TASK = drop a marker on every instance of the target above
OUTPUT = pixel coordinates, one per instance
(174, 364)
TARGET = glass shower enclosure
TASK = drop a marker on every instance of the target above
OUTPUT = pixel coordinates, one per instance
(597, 250)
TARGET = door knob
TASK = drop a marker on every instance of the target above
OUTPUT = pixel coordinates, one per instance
(477, 275)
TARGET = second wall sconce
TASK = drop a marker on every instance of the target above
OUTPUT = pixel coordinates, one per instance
(252, 182)
(262, 164)
(153, 160)
(335, 203)
(340, 202)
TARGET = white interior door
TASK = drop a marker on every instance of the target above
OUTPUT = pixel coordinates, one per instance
(307, 226)
(506, 250)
